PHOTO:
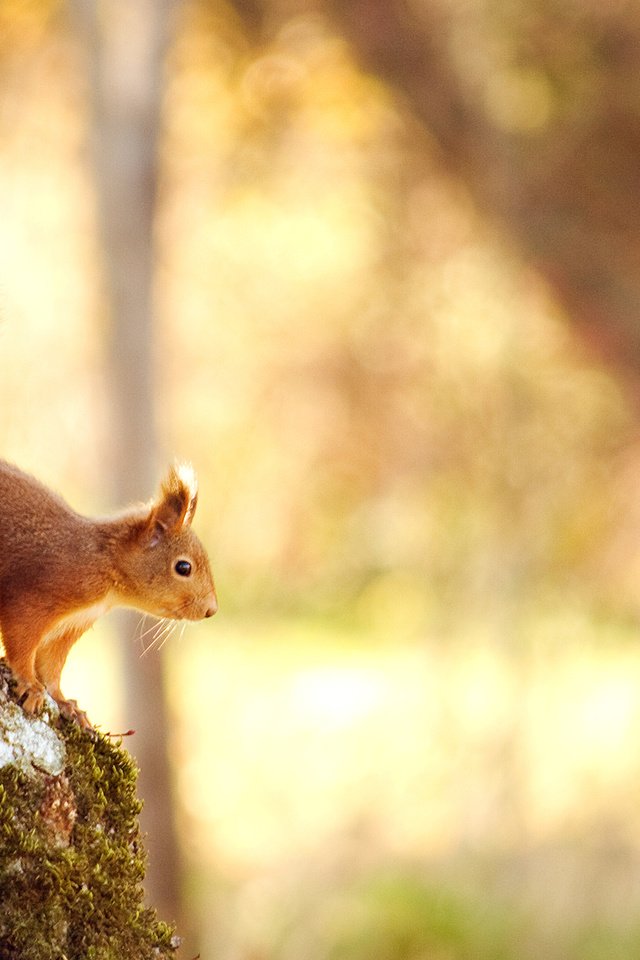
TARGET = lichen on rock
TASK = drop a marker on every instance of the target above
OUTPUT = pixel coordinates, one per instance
(71, 856)
(28, 743)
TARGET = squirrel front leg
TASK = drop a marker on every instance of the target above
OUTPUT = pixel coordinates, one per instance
(21, 636)
(50, 659)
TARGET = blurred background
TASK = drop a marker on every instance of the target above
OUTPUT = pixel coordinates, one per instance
(373, 267)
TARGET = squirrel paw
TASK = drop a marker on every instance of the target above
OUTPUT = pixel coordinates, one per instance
(31, 696)
(71, 711)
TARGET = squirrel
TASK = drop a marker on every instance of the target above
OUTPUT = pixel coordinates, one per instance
(59, 571)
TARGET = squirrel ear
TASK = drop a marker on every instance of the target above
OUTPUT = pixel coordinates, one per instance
(176, 503)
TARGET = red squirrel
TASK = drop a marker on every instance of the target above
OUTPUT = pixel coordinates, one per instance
(59, 571)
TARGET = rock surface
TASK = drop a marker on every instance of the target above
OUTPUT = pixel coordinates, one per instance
(71, 856)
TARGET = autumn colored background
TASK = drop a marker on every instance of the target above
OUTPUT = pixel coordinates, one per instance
(395, 324)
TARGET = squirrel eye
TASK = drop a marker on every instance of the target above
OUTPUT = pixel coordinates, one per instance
(183, 568)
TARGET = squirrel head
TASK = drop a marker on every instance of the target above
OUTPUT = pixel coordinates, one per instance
(164, 569)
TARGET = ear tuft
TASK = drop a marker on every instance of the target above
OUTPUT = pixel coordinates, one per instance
(176, 503)
(189, 483)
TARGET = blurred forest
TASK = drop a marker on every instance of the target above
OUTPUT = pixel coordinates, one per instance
(397, 332)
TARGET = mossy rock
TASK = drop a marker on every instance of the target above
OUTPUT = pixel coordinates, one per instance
(72, 861)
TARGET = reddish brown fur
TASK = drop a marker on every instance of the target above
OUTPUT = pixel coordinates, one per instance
(59, 571)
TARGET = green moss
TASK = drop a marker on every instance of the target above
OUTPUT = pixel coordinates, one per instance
(72, 861)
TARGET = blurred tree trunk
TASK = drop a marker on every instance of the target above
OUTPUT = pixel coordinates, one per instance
(125, 43)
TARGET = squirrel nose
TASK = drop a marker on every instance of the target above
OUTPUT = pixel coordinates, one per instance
(212, 607)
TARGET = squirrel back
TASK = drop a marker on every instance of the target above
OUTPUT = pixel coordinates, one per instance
(60, 570)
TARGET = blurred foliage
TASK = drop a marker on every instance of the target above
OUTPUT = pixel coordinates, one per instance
(401, 917)
(400, 914)
(398, 396)
(535, 107)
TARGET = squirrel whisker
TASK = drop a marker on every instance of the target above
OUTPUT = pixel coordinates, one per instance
(161, 629)
(170, 633)
(156, 627)
(140, 631)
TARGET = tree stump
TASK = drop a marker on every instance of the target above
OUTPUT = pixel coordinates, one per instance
(72, 861)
